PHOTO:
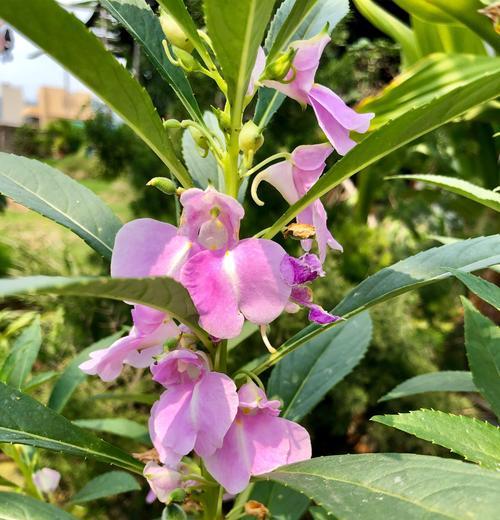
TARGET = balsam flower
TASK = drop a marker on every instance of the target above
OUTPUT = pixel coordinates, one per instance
(334, 117)
(162, 480)
(257, 442)
(46, 480)
(196, 410)
(293, 178)
(230, 279)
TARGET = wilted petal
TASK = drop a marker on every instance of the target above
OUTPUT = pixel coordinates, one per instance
(170, 425)
(319, 315)
(336, 119)
(46, 479)
(162, 480)
(213, 409)
(296, 271)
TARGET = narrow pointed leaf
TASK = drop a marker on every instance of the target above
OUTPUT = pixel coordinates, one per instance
(488, 198)
(413, 272)
(482, 343)
(106, 485)
(430, 77)
(445, 381)
(22, 357)
(164, 294)
(475, 440)
(236, 35)
(115, 426)
(73, 376)
(14, 506)
(47, 24)
(487, 291)
(38, 380)
(303, 378)
(25, 421)
(139, 20)
(56, 196)
(395, 134)
(323, 12)
(383, 486)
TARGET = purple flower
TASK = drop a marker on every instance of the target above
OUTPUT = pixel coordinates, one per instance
(293, 179)
(46, 480)
(297, 272)
(196, 410)
(162, 481)
(258, 442)
(335, 118)
(229, 280)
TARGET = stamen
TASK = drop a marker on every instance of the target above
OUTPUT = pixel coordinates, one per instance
(265, 339)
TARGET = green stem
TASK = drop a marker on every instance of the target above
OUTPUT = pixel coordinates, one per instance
(231, 175)
(257, 167)
(29, 486)
(220, 362)
(239, 504)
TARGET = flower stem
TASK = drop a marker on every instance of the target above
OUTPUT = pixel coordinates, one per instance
(257, 167)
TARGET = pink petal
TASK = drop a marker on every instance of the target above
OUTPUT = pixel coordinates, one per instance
(311, 157)
(170, 425)
(300, 442)
(210, 278)
(263, 294)
(231, 464)
(162, 480)
(180, 366)
(258, 69)
(280, 175)
(46, 479)
(213, 409)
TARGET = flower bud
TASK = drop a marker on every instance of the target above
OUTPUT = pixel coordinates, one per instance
(187, 61)
(171, 123)
(224, 119)
(200, 139)
(251, 138)
(279, 68)
(164, 184)
(173, 31)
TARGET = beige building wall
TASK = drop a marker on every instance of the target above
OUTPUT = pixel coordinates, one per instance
(11, 105)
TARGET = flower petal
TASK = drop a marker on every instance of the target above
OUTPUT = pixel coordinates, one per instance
(209, 276)
(280, 175)
(263, 294)
(213, 409)
(258, 69)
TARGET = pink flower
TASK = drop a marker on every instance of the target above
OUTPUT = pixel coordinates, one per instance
(196, 410)
(297, 272)
(46, 480)
(258, 69)
(162, 481)
(230, 280)
(258, 442)
(335, 118)
(293, 179)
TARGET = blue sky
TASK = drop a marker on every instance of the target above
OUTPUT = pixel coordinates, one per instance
(30, 74)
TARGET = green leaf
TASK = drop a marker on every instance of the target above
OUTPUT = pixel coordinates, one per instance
(56, 196)
(488, 198)
(282, 36)
(178, 11)
(413, 272)
(304, 377)
(116, 426)
(487, 291)
(203, 170)
(164, 294)
(73, 376)
(430, 77)
(22, 357)
(283, 503)
(445, 381)
(477, 441)
(128, 398)
(382, 486)
(139, 20)
(38, 380)
(25, 421)
(14, 506)
(395, 134)
(392, 26)
(425, 10)
(236, 35)
(324, 12)
(106, 485)
(482, 342)
(47, 24)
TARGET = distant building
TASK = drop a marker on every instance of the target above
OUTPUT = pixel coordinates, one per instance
(11, 105)
(56, 103)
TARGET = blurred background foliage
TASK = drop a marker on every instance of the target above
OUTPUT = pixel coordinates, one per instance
(377, 221)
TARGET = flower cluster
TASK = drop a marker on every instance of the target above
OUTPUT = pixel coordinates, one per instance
(236, 433)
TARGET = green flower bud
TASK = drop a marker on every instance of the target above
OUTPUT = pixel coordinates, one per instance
(251, 138)
(172, 123)
(224, 119)
(278, 69)
(163, 184)
(174, 33)
(187, 61)
(200, 140)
